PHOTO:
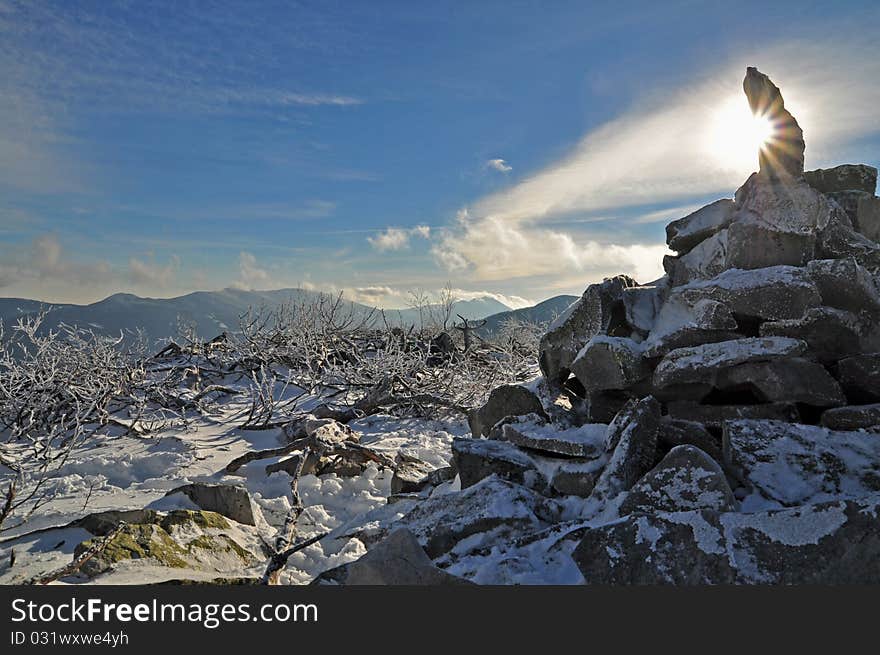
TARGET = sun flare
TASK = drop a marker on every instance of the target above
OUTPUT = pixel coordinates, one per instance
(736, 135)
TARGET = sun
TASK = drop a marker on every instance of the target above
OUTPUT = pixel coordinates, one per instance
(736, 135)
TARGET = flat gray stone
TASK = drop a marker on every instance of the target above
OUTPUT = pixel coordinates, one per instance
(231, 501)
(846, 177)
(794, 464)
(703, 363)
(853, 417)
(836, 542)
(685, 233)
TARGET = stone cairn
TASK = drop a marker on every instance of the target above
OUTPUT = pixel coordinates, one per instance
(722, 423)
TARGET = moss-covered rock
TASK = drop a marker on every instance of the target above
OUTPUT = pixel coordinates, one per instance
(199, 518)
(178, 539)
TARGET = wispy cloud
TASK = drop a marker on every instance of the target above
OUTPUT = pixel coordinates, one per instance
(251, 274)
(662, 151)
(394, 238)
(498, 165)
(149, 273)
(46, 262)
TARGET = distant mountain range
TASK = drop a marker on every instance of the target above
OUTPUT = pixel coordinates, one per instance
(543, 312)
(213, 312)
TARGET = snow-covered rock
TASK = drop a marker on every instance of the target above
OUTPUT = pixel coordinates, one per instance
(506, 400)
(492, 505)
(847, 285)
(642, 304)
(830, 334)
(863, 210)
(399, 559)
(793, 464)
(835, 542)
(599, 311)
(703, 363)
(846, 177)
(610, 363)
(686, 479)
(632, 441)
(771, 293)
(477, 459)
(853, 417)
(685, 233)
(587, 440)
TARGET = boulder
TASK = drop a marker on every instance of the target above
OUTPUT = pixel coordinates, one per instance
(180, 539)
(754, 243)
(396, 560)
(493, 505)
(706, 260)
(830, 334)
(772, 293)
(531, 432)
(853, 417)
(846, 177)
(702, 364)
(829, 543)
(506, 400)
(714, 416)
(781, 156)
(794, 380)
(680, 324)
(574, 481)
(686, 479)
(860, 377)
(685, 233)
(845, 284)
(410, 475)
(787, 205)
(231, 501)
(632, 442)
(477, 459)
(675, 432)
(863, 210)
(642, 304)
(599, 311)
(842, 241)
(610, 363)
(793, 464)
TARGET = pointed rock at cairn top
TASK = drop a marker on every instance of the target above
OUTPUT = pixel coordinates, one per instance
(783, 153)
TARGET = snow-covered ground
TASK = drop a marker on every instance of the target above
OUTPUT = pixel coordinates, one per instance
(121, 471)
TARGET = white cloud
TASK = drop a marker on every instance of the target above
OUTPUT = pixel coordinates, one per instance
(251, 275)
(372, 294)
(394, 238)
(46, 263)
(491, 249)
(151, 274)
(498, 165)
(661, 151)
(514, 302)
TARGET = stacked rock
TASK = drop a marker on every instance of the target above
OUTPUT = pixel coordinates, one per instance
(753, 365)
(766, 311)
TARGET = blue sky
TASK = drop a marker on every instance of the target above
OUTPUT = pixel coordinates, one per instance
(518, 148)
